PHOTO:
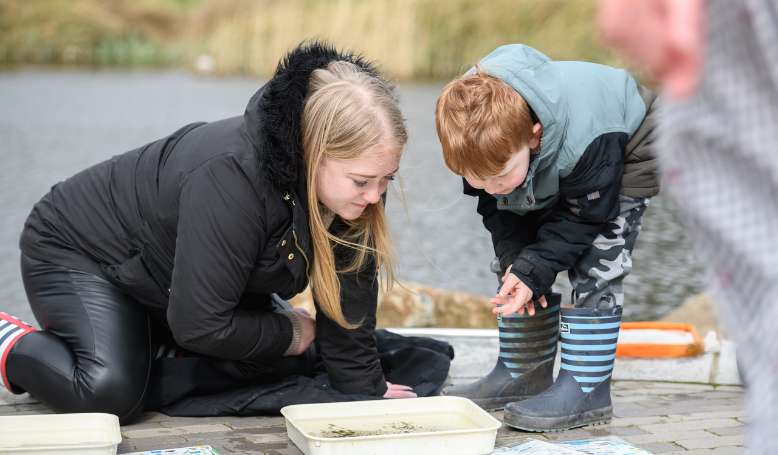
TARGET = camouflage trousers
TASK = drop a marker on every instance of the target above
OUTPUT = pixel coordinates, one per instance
(597, 278)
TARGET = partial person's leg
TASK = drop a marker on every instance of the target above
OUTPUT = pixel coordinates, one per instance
(730, 206)
(588, 333)
(719, 160)
(94, 352)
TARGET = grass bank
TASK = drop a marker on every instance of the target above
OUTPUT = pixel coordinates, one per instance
(411, 39)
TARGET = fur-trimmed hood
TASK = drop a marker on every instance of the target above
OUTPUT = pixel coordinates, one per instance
(273, 116)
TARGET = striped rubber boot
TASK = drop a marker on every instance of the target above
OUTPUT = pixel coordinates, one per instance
(526, 363)
(11, 331)
(581, 394)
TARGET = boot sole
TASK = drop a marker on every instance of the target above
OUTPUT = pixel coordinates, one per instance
(497, 404)
(551, 424)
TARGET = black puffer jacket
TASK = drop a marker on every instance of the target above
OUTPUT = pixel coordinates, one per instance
(201, 226)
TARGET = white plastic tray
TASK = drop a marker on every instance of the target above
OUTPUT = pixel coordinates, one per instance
(450, 425)
(48, 434)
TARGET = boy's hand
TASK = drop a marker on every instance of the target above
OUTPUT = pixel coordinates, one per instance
(514, 297)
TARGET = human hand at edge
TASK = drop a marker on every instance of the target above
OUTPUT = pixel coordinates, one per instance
(398, 391)
(665, 37)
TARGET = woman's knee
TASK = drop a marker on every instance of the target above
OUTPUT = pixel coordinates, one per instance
(43, 365)
(113, 391)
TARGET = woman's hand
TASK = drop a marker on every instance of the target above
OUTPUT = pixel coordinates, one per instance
(398, 391)
(307, 330)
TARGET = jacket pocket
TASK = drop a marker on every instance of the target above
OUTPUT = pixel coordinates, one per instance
(133, 277)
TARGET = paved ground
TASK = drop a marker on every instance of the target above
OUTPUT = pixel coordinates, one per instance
(661, 417)
(666, 406)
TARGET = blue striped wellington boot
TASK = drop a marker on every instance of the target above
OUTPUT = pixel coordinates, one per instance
(525, 366)
(581, 394)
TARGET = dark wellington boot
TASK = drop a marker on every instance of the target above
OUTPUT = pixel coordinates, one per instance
(581, 394)
(526, 362)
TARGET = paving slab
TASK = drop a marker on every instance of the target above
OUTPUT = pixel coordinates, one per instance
(658, 431)
(659, 415)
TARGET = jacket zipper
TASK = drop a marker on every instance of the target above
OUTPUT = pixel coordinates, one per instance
(297, 245)
(290, 199)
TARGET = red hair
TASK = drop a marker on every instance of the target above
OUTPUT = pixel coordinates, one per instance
(481, 121)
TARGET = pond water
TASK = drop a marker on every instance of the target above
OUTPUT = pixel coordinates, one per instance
(55, 123)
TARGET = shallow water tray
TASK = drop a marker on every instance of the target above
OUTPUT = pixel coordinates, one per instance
(49, 434)
(450, 425)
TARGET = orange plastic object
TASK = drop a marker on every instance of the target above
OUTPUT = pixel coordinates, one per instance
(659, 349)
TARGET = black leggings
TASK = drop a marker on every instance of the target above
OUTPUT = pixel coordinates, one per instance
(95, 354)
(97, 351)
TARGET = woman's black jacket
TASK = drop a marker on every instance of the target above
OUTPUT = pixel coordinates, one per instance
(203, 225)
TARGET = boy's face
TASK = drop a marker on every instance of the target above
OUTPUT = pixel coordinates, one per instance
(509, 178)
(515, 170)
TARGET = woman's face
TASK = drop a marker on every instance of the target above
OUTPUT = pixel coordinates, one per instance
(346, 187)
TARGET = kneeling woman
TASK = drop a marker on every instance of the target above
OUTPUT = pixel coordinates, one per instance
(191, 235)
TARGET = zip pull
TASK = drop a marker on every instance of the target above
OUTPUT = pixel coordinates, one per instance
(288, 198)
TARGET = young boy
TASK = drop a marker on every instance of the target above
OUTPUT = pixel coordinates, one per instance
(558, 154)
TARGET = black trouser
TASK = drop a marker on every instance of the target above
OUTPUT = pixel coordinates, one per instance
(95, 354)
(97, 349)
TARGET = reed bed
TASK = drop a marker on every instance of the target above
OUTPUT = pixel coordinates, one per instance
(411, 39)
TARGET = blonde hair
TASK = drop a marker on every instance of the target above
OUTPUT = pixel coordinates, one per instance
(480, 121)
(348, 111)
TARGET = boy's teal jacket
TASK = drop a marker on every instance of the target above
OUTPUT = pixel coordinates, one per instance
(594, 133)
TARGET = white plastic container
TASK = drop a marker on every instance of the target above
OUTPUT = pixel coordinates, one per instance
(48, 434)
(450, 425)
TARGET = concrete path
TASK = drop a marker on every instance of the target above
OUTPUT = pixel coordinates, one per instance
(666, 418)
(688, 416)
